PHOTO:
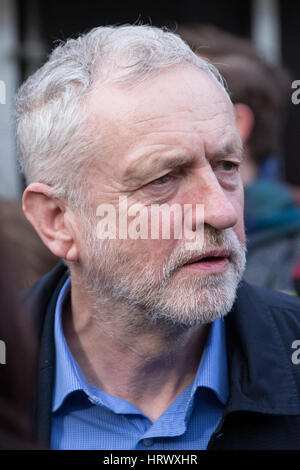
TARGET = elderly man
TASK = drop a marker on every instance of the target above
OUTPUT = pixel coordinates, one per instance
(147, 342)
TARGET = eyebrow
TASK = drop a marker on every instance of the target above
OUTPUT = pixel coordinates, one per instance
(159, 163)
(173, 162)
(228, 149)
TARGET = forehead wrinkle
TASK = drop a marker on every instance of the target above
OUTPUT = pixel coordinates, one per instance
(146, 120)
(165, 131)
(200, 117)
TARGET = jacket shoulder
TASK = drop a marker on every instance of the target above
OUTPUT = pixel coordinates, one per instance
(268, 313)
(271, 298)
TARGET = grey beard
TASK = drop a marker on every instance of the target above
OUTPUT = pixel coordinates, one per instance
(113, 277)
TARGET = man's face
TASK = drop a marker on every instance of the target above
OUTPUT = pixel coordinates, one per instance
(172, 139)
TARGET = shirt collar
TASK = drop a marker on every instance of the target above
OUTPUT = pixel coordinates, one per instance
(212, 372)
(67, 376)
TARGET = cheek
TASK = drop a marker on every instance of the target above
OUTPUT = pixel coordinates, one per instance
(240, 232)
(160, 243)
(239, 227)
(238, 203)
(149, 252)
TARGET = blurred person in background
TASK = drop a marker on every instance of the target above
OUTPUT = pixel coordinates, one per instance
(296, 277)
(260, 93)
(18, 357)
(34, 258)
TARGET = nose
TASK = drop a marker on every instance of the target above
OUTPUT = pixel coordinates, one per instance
(218, 210)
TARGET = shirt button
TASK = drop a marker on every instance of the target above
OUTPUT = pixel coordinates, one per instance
(147, 442)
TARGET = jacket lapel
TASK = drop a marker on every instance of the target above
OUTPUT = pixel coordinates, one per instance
(39, 302)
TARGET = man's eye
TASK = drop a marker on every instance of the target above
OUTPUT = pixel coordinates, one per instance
(228, 165)
(162, 180)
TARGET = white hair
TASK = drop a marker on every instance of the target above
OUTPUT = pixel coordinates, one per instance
(56, 146)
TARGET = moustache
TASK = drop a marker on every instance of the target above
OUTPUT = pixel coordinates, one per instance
(216, 244)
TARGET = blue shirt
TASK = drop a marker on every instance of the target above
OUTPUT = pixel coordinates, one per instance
(85, 417)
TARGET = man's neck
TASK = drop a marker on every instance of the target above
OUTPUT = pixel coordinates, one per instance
(149, 366)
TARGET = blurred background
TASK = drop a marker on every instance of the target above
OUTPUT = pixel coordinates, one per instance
(30, 29)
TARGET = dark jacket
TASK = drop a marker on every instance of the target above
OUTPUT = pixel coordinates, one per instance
(263, 409)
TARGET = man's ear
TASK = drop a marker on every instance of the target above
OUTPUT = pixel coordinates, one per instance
(245, 120)
(51, 220)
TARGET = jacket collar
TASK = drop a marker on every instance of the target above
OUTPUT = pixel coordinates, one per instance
(40, 301)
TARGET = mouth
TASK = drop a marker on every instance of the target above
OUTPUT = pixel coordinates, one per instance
(216, 261)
